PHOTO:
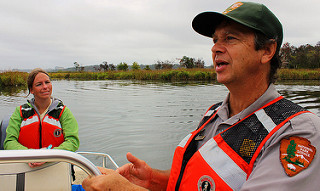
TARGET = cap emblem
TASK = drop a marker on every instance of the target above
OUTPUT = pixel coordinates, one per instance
(232, 7)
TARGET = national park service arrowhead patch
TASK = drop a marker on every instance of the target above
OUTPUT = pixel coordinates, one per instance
(296, 154)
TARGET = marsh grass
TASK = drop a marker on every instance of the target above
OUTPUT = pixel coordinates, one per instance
(163, 75)
(178, 75)
(13, 79)
(174, 75)
(299, 74)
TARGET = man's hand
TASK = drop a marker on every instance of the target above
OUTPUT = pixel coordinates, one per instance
(138, 171)
(35, 164)
(108, 181)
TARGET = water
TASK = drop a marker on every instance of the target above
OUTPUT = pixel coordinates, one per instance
(146, 119)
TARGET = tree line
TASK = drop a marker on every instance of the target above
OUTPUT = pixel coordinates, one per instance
(184, 62)
(302, 57)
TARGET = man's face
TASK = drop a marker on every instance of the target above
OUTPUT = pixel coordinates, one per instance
(234, 56)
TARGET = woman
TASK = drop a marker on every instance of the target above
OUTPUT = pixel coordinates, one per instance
(43, 122)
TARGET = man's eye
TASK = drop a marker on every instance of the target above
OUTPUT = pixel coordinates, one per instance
(230, 38)
(215, 41)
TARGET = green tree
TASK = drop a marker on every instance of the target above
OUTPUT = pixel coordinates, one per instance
(304, 56)
(112, 67)
(187, 62)
(135, 66)
(123, 66)
(147, 67)
(315, 56)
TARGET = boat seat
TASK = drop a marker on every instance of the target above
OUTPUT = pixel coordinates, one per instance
(3, 128)
(50, 176)
(20, 177)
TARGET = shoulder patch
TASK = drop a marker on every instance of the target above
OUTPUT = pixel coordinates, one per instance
(296, 154)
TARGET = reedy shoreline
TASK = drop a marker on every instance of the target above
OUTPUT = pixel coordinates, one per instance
(19, 78)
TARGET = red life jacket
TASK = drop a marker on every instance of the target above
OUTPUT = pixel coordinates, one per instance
(35, 134)
(225, 161)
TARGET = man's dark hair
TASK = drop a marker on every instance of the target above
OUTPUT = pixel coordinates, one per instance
(261, 41)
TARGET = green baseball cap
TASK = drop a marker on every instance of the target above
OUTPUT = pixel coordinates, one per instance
(253, 15)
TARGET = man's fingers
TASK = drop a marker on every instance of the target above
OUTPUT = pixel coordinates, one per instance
(35, 164)
(86, 183)
(134, 160)
(105, 170)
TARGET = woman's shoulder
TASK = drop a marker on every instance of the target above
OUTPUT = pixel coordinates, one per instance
(25, 105)
(56, 101)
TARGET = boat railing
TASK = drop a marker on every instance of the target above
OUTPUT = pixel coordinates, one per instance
(105, 157)
(46, 155)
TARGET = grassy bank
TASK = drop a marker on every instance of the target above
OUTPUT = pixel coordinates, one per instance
(20, 78)
(299, 74)
(13, 79)
(165, 75)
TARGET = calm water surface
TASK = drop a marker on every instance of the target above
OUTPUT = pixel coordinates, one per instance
(146, 119)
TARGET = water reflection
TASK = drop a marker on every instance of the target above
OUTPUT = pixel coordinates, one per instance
(13, 90)
(299, 82)
(305, 93)
(146, 118)
(306, 98)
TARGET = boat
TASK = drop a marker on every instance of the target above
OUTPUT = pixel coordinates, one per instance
(55, 174)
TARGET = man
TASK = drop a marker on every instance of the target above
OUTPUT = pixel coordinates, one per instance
(255, 139)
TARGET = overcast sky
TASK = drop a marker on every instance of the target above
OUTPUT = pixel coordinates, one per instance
(57, 33)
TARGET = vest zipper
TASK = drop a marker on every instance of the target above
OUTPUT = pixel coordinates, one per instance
(40, 141)
(183, 167)
(191, 149)
(40, 129)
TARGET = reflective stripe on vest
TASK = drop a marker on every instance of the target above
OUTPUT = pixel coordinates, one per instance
(52, 121)
(265, 120)
(29, 121)
(223, 165)
(184, 141)
(228, 158)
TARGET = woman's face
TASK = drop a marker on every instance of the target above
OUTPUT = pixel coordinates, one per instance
(41, 87)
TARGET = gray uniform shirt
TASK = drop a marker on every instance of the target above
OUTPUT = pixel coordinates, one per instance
(268, 172)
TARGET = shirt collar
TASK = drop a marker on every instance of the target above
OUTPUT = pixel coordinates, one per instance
(269, 95)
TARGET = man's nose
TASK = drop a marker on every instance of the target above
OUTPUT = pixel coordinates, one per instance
(218, 48)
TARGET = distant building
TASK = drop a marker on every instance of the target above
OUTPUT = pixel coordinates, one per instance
(59, 68)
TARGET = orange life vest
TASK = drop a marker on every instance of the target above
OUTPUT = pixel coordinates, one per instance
(225, 161)
(35, 134)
